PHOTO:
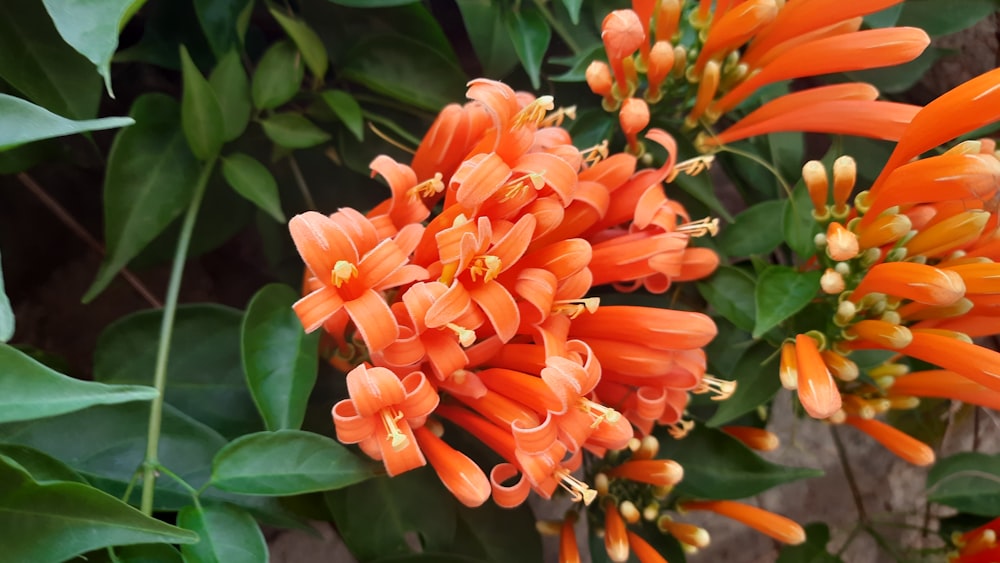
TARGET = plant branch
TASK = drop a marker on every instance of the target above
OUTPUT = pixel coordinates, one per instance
(849, 475)
(60, 212)
(300, 181)
(151, 463)
(558, 27)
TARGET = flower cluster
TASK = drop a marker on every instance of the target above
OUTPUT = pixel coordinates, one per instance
(911, 268)
(465, 297)
(978, 545)
(704, 61)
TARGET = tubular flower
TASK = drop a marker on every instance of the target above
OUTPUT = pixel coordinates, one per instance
(769, 523)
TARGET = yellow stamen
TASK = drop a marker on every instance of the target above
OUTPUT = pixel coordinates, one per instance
(390, 417)
(680, 429)
(343, 271)
(487, 265)
(533, 113)
(466, 337)
(577, 489)
(427, 188)
(720, 388)
(593, 155)
(519, 185)
(448, 273)
(599, 411)
(700, 228)
(692, 167)
(575, 307)
(556, 118)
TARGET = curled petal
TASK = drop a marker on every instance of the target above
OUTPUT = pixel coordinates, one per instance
(374, 320)
(373, 388)
(535, 439)
(508, 496)
(421, 398)
(316, 308)
(351, 427)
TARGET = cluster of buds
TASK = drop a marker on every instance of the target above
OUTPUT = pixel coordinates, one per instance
(911, 268)
(978, 545)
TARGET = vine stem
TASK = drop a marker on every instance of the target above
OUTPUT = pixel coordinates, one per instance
(557, 26)
(150, 463)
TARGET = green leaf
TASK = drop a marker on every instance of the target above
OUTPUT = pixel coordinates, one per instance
(309, 44)
(753, 231)
(484, 22)
(40, 65)
(22, 122)
(929, 15)
(204, 378)
(254, 181)
(577, 64)
(591, 126)
(279, 358)
(347, 110)
(780, 293)
(143, 553)
(406, 70)
(232, 90)
(573, 9)
(42, 467)
(58, 520)
(292, 131)
(226, 534)
(372, 3)
(30, 390)
(530, 34)
(6, 312)
(899, 78)
(756, 376)
(91, 28)
(814, 548)
(884, 18)
(797, 222)
(375, 517)
(201, 116)
(149, 181)
(718, 466)
(219, 19)
(491, 533)
(730, 292)
(286, 462)
(968, 481)
(698, 187)
(278, 76)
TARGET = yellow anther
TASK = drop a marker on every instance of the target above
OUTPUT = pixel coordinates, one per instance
(556, 118)
(534, 112)
(577, 489)
(594, 154)
(390, 417)
(720, 388)
(343, 271)
(680, 429)
(600, 412)
(466, 337)
(573, 308)
(519, 185)
(692, 167)
(486, 266)
(700, 228)
(427, 188)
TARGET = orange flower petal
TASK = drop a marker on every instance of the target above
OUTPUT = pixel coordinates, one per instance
(817, 389)
(459, 474)
(896, 441)
(765, 522)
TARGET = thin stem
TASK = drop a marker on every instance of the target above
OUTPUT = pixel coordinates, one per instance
(184, 484)
(767, 165)
(849, 474)
(150, 464)
(558, 27)
(300, 181)
(60, 212)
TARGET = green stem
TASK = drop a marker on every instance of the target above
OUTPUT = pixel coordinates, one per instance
(150, 463)
(184, 484)
(300, 181)
(558, 27)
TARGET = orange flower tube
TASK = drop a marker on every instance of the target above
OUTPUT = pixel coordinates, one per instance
(778, 527)
(897, 442)
(817, 389)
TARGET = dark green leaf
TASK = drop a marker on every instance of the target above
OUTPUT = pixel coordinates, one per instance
(591, 127)
(484, 22)
(307, 41)
(279, 358)
(40, 65)
(756, 376)
(530, 34)
(201, 116)
(884, 18)
(429, 557)
(232, 90)
(577, 65)
(278, 76)
(30, 390)
(375, 517)
(780, 293)
(204, 378)
(254, 181)
(968, 481)
(58, 520)
(226, 533)
(218, 19)
(286, 462)
(754, 231)
(730, 292)
(372, 3)
(933, 18)
(41, 466)
(149, 181)
(813, 550)
(698, 187)
(573, 8)
(292, 131)
(786, 151)
(347, 110)
(798, 224)
(491, 533)
(6, 312)
(899, 78)
(143, 553)
(718, 466)
(91, 28)
(165, 27)
(406, 70)
(22, 122)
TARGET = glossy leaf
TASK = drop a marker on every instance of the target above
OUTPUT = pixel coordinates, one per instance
(756, 376)
(347, 110)
(41, 466)
(219, 20)
(406, 70)
(573, 9)
(530, 34)
(142, 553)
(55, 521)
(375, 517)
(968, 481)
(590, 127)
(372, 3)
(40, 65)
(149, 181)
(279, 358)
(718, 466)
(577, 71)
(30, 390)
(286, 462)
(798, 224)
(309, 44)
(491, 533)
(6, 312)
(22, 122)
(780, 293)
(293, 131)
(225, 532)
(232, 91)
(484, 22)
(730, 292)
(91, 28)
(928, 15)
(813, 550)
(754, 231)
(201, 116)
(254, 181)
(204, 378)
(278, 76)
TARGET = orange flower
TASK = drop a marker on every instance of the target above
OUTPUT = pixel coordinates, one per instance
(769, 523)
(616, 540)
(460, 474)
(945, 384)
(903, 445)
(759, 439)
(569, 552)
(968, 360)
(657, 472)
(644, 552)
(817, 389)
